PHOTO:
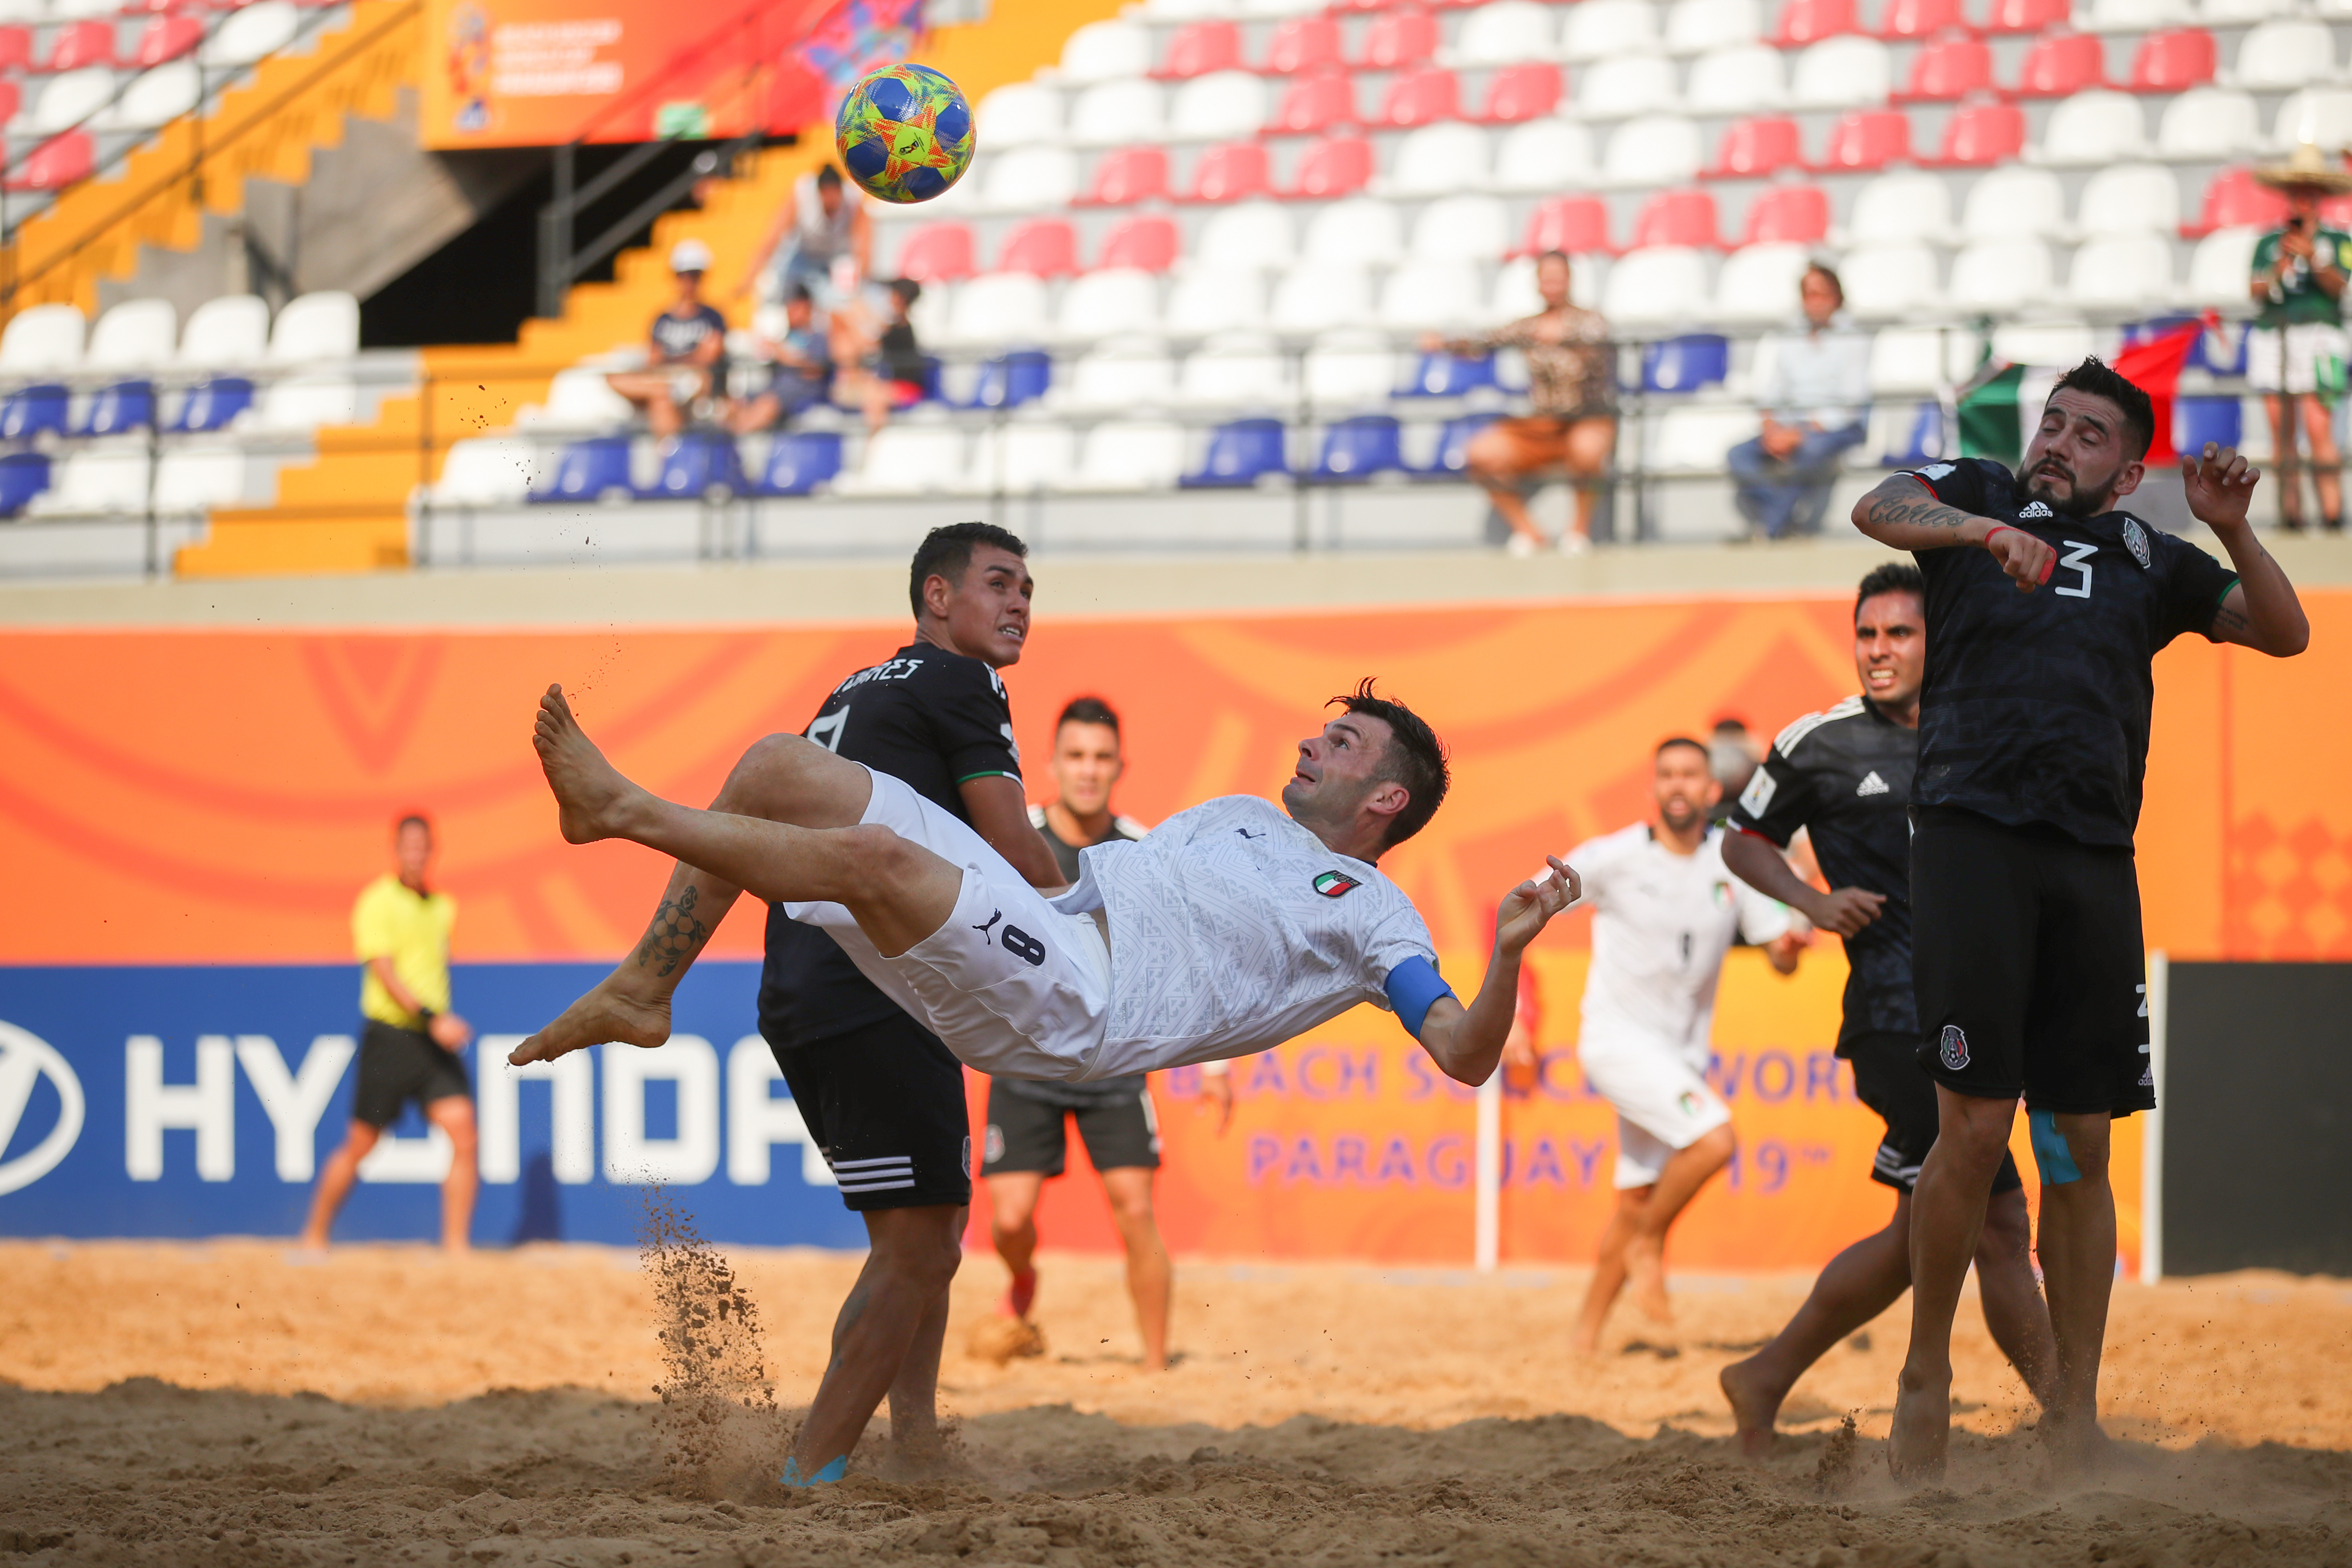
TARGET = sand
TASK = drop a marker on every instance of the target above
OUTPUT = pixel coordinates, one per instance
(227, 1403)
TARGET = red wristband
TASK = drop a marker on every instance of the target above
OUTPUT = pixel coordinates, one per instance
(2047, 567)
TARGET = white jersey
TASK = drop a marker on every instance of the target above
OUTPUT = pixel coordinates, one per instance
(1661, 925)
(1232, 929)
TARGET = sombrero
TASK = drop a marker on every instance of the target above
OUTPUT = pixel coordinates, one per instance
(2308, 168)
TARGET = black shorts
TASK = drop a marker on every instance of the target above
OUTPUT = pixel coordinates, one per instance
(1025, 1134)
(884, 1103)
(2027, 963)
(1889, 1078)
(397, 1065)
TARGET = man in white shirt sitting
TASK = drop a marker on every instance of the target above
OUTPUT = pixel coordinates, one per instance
(1814, 387)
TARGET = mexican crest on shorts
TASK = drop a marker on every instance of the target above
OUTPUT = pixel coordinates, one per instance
(1954, 1050)
(2136, 541)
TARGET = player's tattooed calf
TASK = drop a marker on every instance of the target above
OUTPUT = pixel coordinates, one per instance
(674, 937)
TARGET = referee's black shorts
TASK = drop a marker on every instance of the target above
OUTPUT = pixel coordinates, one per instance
(2027, 963)
(885, 1104)
(1890, 1080)
(397, 1065)
(1030, 1134)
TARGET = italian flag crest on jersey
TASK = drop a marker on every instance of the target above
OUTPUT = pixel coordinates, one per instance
(1332, 884)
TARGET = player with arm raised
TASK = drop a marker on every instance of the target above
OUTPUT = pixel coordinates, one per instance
(2046, 606)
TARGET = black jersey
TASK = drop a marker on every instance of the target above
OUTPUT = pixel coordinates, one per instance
(934, 720)
(1844, 776)
(1102, 1092)
(2036, 705)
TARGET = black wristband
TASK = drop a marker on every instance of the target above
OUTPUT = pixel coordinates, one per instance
(425, 1017)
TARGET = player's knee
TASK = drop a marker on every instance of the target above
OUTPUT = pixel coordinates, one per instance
(883, 858)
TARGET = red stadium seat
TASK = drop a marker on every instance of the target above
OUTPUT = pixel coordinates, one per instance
(1789, 214)
(1149, 242)
(2175, 60)
(1806, 22)
(1400, 39)
(1921, 18)
(1948, 70)
(1419, 96)
(1982, 134)
(1302, 44)
(1758, 148)
(937, 253)
(1042, 247)
(15, 48)
(2336, 212)
(1678, 218)
(1315, 104)
(11, 101)
(1200, 47)
(1525, 91)
(1576, 225)
(1867, 141)
(1233, 172)
(79, 44)
(59, 161)
(2061, 64)
(2026, 16)
(1337, 166)
(1128, 175)
(2234, 201)
(166, 38)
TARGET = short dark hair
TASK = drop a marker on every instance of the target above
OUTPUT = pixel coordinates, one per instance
(1731, 721)
(412, 820)
(827, 175)
(1891, 577)
(2099, 379)
(1826, 270)
(799, 294)
(1086, 710)
(946, 551)
(1674, 740)
(1415, 758)
(907, 290)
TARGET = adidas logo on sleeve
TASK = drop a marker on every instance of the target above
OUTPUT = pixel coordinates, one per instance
(1872, 784)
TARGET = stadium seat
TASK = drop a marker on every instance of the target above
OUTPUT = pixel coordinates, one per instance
(2131, 16)
(2220, 266)
(193, 479)
(98, 481)
(1608, 30)
(1127, 176)
(1031, 180)
(11, 100)
(1149, 244)
(2198, 420)
(29, 410)
(908, 460)
(1737, 78)
(79, 43)
(23, 475)
(588, 471)
(1462, 229)
(936, 252)
(1240, 453)
(1920, 358)
(1787, 214)
(2100, 126)
(1424, 294)
(1355, 448)
(1334, 167)
(1399, 40)
(1631, 84)
(1314, 104)
(2175, 60)
(1202, 303)
(302, 403)
(1696, 26)
(1804, 22)
(2025, 15)
(998, 308)
(1543, 155)
(1315, 296)
(134, 335)
(1199, 47)
(251, 34)
(1359, 232)
(1905, 435)
(2129, 198)
(226, 330)
(1117, 114)
(1351, 368)
(1437, 160)
(1122, 373)
(1687, 363)
(1237, 370)
(1654, 288)
(1106, 51)
(1760, 283)
(1890, 281)
(1518, 93)
(69, 98)
(2060, 65)
(1021, 458)
(2000, 275)
(1019, 114)
(2208, 124)
(312, 327)
(1759, 148)
(117, 408)
(2323, 115)
(1130, 455)
(17, 49)
(1842, 73)
(1110, 303)
(1302, 44)
(2121, 271)
(1418, 97)
(1867, 141)
(480, 471)
(695, 466)
(2225, 13)
(1218, 108)
(798, 462)
(1042, 247)
(1506, 32)
(42, 338)
(1979, 135)
(1919, 20)
(1948, 70)
(1256, 235)
(1576, 225)
(2278, 54)
(1677, 218)
(1902, 208)
(1449, 458)
(1655, 150)
(1233, 172)
(1693, 438)
(2014, 201)
(59, 161)
(1441, 374)
(2234, 200)
(154, 98)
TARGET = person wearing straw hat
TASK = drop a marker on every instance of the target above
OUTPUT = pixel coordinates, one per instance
(2295, 351)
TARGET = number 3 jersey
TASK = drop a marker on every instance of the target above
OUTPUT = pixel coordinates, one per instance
(2036, 705)
(929, 717)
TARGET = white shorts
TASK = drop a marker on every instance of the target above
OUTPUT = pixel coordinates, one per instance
(1010, 983)
(2290, 359)
(1662, 1099)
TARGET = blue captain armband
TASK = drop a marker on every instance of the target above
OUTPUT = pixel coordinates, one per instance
(1413, 988)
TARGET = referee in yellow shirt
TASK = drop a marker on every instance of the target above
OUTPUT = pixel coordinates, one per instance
(410, 1040)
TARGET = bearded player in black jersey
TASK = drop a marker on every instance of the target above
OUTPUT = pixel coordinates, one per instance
(1843, 777)
(2045, 608)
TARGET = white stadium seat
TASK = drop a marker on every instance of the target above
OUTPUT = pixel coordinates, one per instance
(42, 338)
(252, 33)
(1106, 51)
(1695, 27)
(1899, 207)
(1694, 439)
(69, 99)
(1604, 29)
(137, 334)
(1019, 114)
(315, 326)
(1130, 455)
(1030, 180)
(2002, 274)
(1187, 10)
(1429, 293)
(1203, 302)
(2323, 115)
(2129, 198)
(103, 477)
(2237, 13)
(1237, 370)
(2129, 15)
(2058, 344)
(1845, 72)
(1462, 229)
(1920, 358)
(2096, 126)
(998, 308)
(1660, 286)
(2285, 54)
(1505, 32)
(1351, 369)
(580, 398)
(1107, 304)
(301, 404)
(1116, 114)
(1628, 85)
(2014, 201)
(2208, 124)
(1359, 232)
(1438, 160)
(227, 332)
(1253, 234)
(482, 470)
(1738, 78)
(1020, 457)
(2220, 266)
(1655, 150)
(154, 98)
(1122, 373)
(198, 478)
(1760, 283)
(906, 459)
(1543, 155)
(1887, 280)
(1316, 296)
(1223, 106)
(2120, 271)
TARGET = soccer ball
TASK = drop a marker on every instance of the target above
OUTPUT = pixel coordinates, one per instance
(905, 133)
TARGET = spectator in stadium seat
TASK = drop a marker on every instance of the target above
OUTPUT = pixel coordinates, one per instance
(824, 223)
(1572, 422)
(688, 370)
(1815, 400)
(801, 370)
(2296, 352)
(883, 366)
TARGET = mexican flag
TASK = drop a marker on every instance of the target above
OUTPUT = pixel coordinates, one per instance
(2154, 367)
(1996, 405)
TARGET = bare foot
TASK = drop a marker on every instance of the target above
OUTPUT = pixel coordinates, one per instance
(1645, 1279)
(589, 791)
(2079, 1450)
(1754, 1406)
(603, 1016)
(1922, 1432)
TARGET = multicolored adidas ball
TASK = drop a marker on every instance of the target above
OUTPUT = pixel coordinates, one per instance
(905, 133)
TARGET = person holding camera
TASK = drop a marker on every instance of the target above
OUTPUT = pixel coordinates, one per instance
(2295, 354)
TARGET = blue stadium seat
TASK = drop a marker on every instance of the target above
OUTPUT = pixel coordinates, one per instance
(1241, 452)
(116, 410)
(29, 410)
(588, 471)
(1357, 447)
(1923, 443)
(2198, 420)
(1449, 461)
(1007, 380)
(799, 461)
(700, 464)
(23, 475)
(1449, 375)
(211, 404)
(1686, 363)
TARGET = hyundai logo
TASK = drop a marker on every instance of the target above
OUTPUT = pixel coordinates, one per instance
(25, 1058)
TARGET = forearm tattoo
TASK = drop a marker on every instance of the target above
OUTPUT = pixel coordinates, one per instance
(1902, 504)
(674, 937)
